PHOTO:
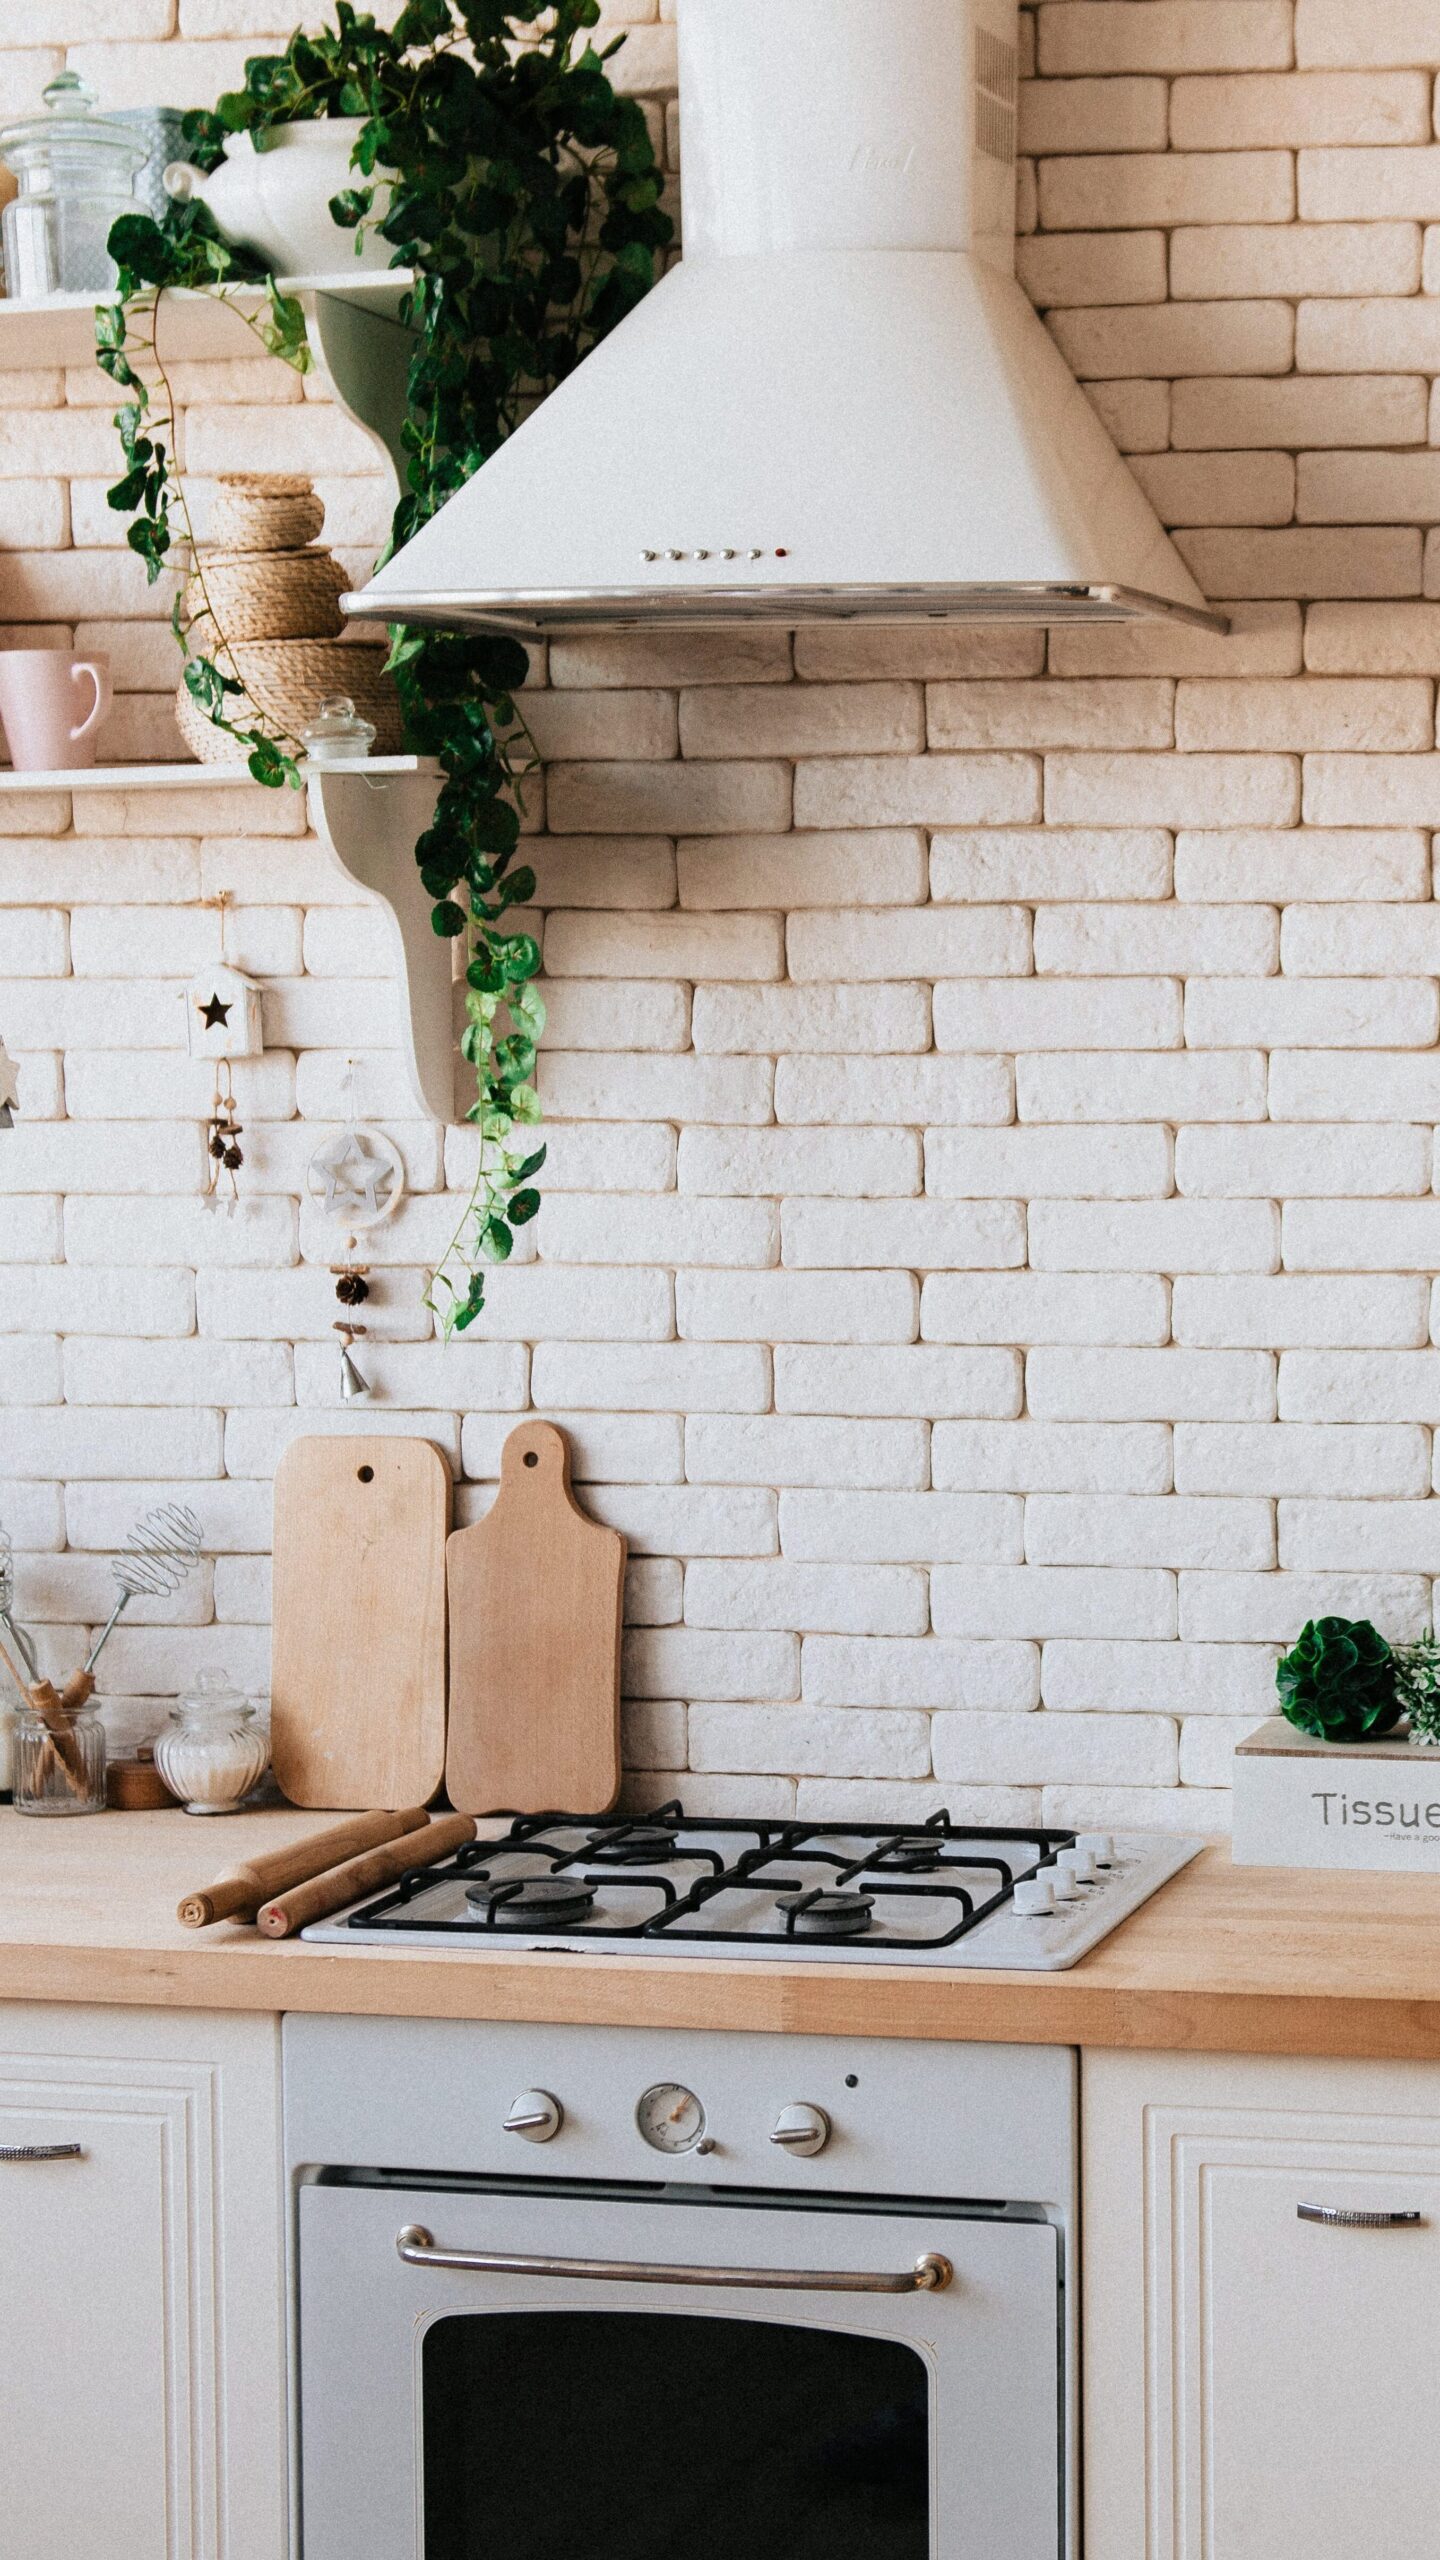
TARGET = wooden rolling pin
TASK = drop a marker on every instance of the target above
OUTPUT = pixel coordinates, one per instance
(320, 1895)
(238, 1894)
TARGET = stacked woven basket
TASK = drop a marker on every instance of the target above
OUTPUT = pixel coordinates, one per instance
(268, 611)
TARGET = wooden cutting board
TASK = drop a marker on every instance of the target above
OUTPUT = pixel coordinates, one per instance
(536, 1603)
(358, 1657)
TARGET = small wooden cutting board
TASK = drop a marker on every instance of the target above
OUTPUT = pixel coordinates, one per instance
(536, 1604)
(358, 1655)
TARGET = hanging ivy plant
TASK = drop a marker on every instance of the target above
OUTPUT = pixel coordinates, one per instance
(524, 194)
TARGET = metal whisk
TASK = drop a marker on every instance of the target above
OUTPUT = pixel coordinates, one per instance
(17, 1635)
(164, 1547)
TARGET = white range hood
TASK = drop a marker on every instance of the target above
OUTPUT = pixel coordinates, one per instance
(841, 405)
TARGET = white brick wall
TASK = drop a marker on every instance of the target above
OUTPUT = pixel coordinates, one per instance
(989, 1259)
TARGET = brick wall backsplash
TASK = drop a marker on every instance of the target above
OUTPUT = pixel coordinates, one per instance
(993, 1078)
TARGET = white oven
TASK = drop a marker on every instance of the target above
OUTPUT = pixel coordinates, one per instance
(561, 2335)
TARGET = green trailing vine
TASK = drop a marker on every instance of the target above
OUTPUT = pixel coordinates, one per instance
(523, 193)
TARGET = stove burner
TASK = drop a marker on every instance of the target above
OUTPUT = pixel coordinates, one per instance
(638, 1845)
(532, 1902)
(910, 1859)
(822, 1914)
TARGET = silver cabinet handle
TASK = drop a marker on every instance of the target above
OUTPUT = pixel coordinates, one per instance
(1344, 2217)
(41, 2151)
(418, 2248)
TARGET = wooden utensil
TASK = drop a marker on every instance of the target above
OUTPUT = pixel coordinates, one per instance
(331, 1891)
(239, 1892)
(536, 1597)
(358, 1658)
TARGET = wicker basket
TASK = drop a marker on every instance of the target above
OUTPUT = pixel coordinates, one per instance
(285, 683)
(264, 511)
(282, 595)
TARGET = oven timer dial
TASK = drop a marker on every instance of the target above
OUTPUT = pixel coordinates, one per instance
(672, 2119)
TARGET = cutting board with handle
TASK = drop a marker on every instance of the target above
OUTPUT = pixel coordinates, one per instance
(536, 1605)
(357, 1677)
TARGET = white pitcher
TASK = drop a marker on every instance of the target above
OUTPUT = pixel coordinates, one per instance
(272, 194)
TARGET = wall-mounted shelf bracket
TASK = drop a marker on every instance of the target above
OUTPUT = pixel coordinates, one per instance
(370, 825)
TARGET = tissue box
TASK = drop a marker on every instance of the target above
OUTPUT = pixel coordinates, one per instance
(1301, 1803)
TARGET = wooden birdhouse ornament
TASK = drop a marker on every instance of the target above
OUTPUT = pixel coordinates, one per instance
(223, 1016)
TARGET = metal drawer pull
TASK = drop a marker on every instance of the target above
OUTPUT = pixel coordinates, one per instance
(416, 2246)
(1344, 2217)
(41, 2151)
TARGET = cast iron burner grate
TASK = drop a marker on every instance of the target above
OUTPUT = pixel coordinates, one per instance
(549, 1869)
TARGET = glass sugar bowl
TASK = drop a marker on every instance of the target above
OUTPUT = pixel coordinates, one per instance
(76, 172)
(338, 734)
(58, 1759)
(211, 1753)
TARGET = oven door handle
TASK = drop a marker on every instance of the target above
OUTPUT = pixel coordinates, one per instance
(929, 2274)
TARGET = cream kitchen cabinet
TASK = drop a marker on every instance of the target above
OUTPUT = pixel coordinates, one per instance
(142, 2330)
(1257, 2385)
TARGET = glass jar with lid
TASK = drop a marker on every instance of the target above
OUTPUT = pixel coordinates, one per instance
(76, 172)
(338, 734)
(211, 1753)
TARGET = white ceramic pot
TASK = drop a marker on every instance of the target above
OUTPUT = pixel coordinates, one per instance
(276, 199)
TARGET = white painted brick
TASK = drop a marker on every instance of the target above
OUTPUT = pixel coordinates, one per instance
(1329, 31)
(1360, 1386)
(103, 1231)
(910, 942)
(1372, 790)
(865, 1018)
(1132, 1013)
(1318, 1084)
(900, 1800)
(613, 725)
(803, 720)
(243, 1591)
(1275, 1314)
(1271, 1608)
(591, 1086)
(1037, 863)
(1133, 712)
(958, 1092)
(1369, 1162)
(31, 1230)
(1205, 1810)
(1151, 1386)
(668, 799)
(66, 872)
(34, 942)
(602, 1013)
(1391, 1537)
(1169, 1679)
(1032, 1306)
(30, 1372)
(257, 1437)
(152, 1084)
(653, 1733)
(1050, 1600)
(576, 1306)
(1176, 339)
(692, 1662)
(1133, 1085)
(1168, 35)
(1140, 790)
(1363, 941)
(66, 1300)
(851, 1164)
(781, 1449)
(138, 942)
(900, 1671)
(299, 1306)
(1218, 489)
(1207, 1749)
(901, 1528)
(595, 871)
(925, 791)
(1302, 1458)
(687, 1520)
(866, 1744)
(1038, 1163)
(921, 651)
(1339, 863)
(1148, 941)
(1263, 639)
(35, 1518)
(664, 946)
(849, 1599)
(94, 1155)
(914, 1380)
(1087, 267)
(1311, 1013)
(796, 1306)
(1052, 1457)
(1134, 190)
(48, 1441)
(1331, 258)
(1340, 1235)
(1122, 1529)
(679, 1377)
(606, 1449)
(658, 1227)
(872, 867)
(163, 1373)
(1379, 639)
(420, 1375)
(1033, 1750)
(910, 1235)
(1092, 115)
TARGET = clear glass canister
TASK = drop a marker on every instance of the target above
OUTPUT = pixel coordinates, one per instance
(211, 1753)
(338, 734)
(59, 1760)
(76, 173)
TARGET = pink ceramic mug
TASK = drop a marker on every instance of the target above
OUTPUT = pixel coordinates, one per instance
(52, 705)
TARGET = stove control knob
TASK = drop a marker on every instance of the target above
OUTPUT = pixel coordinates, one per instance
(1101, 1846)
(535, 2116)
(1063, 1884)
(802, 2129)
(1079, 1863)
(1034, 1898)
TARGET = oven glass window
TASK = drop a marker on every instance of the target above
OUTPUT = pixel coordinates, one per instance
(610, 2434)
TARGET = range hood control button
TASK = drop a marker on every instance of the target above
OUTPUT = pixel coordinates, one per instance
(802, 2129)
(535, 2116)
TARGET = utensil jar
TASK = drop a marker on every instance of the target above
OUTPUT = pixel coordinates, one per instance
(59, 1763)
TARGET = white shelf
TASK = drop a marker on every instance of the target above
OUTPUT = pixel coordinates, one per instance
(195, 777)
(198, 328)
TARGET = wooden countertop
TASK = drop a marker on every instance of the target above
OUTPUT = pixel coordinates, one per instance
(1224, 1959)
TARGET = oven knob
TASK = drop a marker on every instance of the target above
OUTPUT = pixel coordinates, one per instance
(1101, 1845)
(1064, 1885)
(1080, 1863)
(535, 2116)
(1034, 1898)
(803, 2129)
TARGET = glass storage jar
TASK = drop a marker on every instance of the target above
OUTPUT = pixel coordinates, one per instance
(76, 173)
(59, 1759)
(211, 1753)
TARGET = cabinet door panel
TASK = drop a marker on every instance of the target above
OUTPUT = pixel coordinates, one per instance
(1256, 2385)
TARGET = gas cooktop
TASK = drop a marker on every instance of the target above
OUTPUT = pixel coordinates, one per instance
(932, 1893)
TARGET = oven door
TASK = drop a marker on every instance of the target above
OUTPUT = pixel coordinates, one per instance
(486, 2374)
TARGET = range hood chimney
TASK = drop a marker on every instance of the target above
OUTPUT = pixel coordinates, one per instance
(841, 405)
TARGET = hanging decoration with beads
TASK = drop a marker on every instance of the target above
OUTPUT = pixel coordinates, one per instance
(9, 1088)
(222, 1139)
(352, 1288)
